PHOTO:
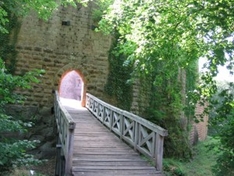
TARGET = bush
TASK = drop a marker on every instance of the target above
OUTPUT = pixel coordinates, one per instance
(172, 167)
(222, 124)
(225, 162)
(13, 151)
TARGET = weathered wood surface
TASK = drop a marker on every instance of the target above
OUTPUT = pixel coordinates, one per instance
(99, 152)
(65, 130)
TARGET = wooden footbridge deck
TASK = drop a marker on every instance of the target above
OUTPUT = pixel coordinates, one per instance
(87, 145)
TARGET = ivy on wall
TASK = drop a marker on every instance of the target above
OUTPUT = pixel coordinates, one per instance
(118, 84)
(191, 82)
(99, 9)
(166, 106)
(8, 40)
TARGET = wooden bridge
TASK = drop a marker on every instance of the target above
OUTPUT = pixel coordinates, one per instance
(102, 140)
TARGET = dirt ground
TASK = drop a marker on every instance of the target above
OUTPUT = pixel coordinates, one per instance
(47, 168)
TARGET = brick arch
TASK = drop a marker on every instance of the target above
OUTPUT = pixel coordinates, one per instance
(64, 71)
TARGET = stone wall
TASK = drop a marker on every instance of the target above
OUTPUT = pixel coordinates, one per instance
(202, 126)
(63, 43)
(199, 130)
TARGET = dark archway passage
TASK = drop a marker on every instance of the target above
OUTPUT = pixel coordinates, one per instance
(71, 86)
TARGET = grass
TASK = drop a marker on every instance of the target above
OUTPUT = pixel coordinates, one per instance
(201, 164)
(204, 159)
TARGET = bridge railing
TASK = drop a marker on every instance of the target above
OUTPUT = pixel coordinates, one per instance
(141, 134)
(65, 129)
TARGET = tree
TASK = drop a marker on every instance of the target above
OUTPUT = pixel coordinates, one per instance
(221, 125)
(44, 8)
(161, 38)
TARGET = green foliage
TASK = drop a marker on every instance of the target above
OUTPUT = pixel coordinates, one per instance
(13, 151)
(203, 162)
(191, 83)
(7, 49)
(44, 9)
(100, 8)
(3, 20)
(150, 37)
(221, 124)
(225, 164)
(205, 158)
(173, 168)
(118, 85)
(21, 8)
(162, 38)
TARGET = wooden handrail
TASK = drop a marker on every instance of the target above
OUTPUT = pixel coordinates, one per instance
(66, 127)
(141, 134)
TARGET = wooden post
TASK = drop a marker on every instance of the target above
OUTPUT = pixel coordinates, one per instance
(136, 135)
(121, 126)
(111, 119)
(69, 153)
(103, 115)
(159, 152)
(58, 159)
(101, 111)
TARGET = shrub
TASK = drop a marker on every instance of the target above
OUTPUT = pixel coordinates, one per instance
(13, 151)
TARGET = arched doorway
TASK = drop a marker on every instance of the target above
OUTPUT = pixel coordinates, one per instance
(72, 86)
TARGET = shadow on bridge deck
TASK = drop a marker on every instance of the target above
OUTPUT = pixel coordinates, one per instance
(98, 152)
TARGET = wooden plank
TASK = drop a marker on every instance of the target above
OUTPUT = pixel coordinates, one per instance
(137, 159)
(105, 148)
(105, 152)
(105, 157)
(110, 163)
(91, 144)
(115, 173)
(96, 168)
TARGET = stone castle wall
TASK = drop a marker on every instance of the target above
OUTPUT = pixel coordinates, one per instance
(63, 43)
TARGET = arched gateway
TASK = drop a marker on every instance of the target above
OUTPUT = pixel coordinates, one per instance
(72, 86)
